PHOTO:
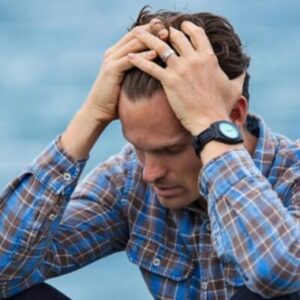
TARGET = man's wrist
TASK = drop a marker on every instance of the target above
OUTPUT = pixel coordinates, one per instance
(82, 133)
(219, 137)
(202, 123)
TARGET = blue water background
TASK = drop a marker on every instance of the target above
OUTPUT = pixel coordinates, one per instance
(50, 53)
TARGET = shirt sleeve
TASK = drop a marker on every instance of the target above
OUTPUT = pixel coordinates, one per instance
(251, 228)
(48, 229)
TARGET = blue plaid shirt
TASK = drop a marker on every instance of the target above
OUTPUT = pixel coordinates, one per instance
(250, 233)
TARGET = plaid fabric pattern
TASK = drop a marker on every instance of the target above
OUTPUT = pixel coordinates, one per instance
(249, 235)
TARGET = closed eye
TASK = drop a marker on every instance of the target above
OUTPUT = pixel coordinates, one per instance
(174, 150)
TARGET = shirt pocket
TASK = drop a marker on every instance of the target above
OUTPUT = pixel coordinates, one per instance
(165, 270)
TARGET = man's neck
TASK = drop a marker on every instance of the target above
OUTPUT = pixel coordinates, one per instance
(250, 141)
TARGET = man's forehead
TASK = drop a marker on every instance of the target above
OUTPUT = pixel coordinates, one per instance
(149, 115)
(150, 122)
(151, 108)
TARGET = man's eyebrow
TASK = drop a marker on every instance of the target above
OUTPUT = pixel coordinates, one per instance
(179, 142)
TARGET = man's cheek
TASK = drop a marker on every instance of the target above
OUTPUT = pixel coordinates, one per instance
(140, 156)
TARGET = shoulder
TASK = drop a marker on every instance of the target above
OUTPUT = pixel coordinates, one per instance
(285, 171)
(287, 150)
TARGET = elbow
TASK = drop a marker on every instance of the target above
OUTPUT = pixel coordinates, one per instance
(274, 279)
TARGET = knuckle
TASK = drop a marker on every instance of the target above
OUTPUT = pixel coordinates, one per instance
(135, 45)
(183, 70)
(196, 60)
(169, 81)
(161, 48)
(203, 59)
(209, 59)
(136, 29)
(132, 46)
(109, 69)
(194, 29)
(177, 34)
(108, 52)
(198, 30)
(106, 72)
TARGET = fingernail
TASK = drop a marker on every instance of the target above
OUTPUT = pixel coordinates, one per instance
(163, 34)
(157, 27)
(153, 21)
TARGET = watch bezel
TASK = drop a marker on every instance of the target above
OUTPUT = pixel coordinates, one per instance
(220, 136)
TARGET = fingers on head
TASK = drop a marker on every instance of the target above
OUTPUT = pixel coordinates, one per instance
(180, 42)
(198, 36)
(125, 63)
(126, 39)
(159, 28)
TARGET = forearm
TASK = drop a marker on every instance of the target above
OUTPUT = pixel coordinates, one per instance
(250, 226)
(101, 105)
(50, 229)
(31, 208)
(83, 131)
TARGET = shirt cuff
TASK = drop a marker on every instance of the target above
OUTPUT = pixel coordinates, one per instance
(56, 169)
(224, 171)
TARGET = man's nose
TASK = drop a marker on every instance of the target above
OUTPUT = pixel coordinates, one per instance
(153, 168)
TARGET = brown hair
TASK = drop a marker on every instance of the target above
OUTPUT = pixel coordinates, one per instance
(225, 42)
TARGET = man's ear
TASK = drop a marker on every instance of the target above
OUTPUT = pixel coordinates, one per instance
(239, 111)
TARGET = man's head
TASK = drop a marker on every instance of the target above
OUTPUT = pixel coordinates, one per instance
(163, 146)
(225, 42)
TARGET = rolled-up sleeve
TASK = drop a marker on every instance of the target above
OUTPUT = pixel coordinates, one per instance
(251, 228)
(48, 229)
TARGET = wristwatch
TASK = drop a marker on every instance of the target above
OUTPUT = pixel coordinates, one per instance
(222, 131)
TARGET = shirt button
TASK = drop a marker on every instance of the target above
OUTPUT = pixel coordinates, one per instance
(207, 226)
(215, 240)
(156, 262)
(204, 285)
(52, 217)
(67, 176)
(123, 202)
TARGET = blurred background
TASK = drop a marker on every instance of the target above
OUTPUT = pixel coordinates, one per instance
(50, 53)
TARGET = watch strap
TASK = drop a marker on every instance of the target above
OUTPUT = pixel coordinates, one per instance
(214, 133)
(206, 136)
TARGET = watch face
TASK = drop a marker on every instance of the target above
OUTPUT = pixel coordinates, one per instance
(228, 130)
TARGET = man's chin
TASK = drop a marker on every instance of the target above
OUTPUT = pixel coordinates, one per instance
(174, 202)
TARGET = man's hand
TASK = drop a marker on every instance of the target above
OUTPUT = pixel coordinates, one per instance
(100, 107)
(198, 90)
(104, 95)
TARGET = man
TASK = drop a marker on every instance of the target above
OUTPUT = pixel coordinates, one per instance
(204, 199)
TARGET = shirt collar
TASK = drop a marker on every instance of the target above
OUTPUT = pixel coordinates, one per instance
(263, 155)
(266, 144)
